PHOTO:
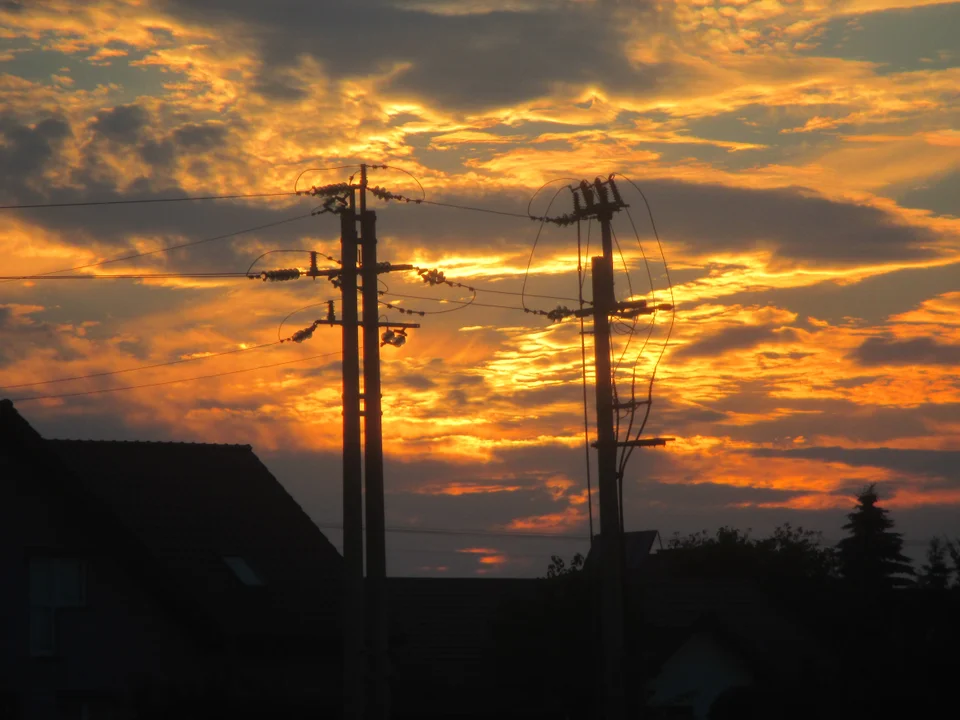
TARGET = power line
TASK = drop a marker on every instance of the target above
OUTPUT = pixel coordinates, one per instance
(94, 203)
(533, 249)
(465, 532)
(192, 243)
(386, 195)
(173, 382)
(141, 367)
(143, 276)
(529, 295)
(462, 302)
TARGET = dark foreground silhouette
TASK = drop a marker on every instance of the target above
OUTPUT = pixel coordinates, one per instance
(176, 580)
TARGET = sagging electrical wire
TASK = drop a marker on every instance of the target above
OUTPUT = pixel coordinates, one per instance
(298, 310)
(168, 248)
(423, 193)
(437, 277)
(142, 201)
(386, 195)
(107, 373)
(628, 451)
(463, 302)
(583, 373)
(326, 169)
(463, 305)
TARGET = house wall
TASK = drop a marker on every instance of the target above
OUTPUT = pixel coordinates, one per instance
(121, 640)
(696, 674)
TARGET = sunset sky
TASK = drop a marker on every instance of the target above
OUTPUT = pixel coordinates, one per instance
(801, 160)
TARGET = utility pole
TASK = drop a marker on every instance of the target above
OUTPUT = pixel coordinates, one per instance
(373, 461)
(611, 566)
(362, 476)
(600, 200)
(353, 620)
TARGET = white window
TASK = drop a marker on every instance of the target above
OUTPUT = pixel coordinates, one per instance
(243, 571)
(55, 583)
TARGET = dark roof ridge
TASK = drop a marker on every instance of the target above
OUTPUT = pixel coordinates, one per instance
(243, 446)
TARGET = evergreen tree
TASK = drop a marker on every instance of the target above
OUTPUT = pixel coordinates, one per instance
(871, 556)
(935, 575)
(954, 548)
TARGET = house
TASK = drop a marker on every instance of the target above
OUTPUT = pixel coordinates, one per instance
(159, 580)
(707, 642)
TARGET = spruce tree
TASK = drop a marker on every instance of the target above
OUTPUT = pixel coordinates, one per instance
(871, 556)
(935, 575)
(954, 547)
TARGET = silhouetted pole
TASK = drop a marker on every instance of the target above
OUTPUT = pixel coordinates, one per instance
(353, 632)
(611, 590)
(373, 462)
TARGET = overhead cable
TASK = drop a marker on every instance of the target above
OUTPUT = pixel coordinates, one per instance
(139, 367)
(192, 243)
(172, 382)
(143, 201)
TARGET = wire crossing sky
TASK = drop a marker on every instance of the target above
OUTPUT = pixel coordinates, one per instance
(801, 161)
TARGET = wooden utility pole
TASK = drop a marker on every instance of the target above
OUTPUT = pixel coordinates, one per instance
(600, 200)
(343, 201)
(373, 461)
(611, 567)
(353, 620)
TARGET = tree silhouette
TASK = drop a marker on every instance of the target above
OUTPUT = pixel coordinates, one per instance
(954, 547)
(791, 554)
(557, 568)
(935, 575)
(871, 556)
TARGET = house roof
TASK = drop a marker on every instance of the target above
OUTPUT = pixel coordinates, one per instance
(187, 511)
(637, 545)
(199, 506)
(737, 610)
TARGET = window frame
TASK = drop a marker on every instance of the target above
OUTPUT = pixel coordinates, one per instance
(53, 601)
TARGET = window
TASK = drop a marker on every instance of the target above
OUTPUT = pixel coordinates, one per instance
(55, 583)
(243, 571)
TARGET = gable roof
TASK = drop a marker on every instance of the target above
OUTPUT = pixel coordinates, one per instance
(637, 545)
(195, 504)
(184, 507)
(36, 472)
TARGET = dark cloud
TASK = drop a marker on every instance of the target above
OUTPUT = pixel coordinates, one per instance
(740, 337)
(26, 150)
(415, 381)
(199, 137)
(158, 153)
(22, 336)
(122, 124)
(916, 351)
(687, 496)
(462, 61)
(794, 223)
(937, 463)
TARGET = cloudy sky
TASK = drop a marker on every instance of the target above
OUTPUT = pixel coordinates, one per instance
(801, 160)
